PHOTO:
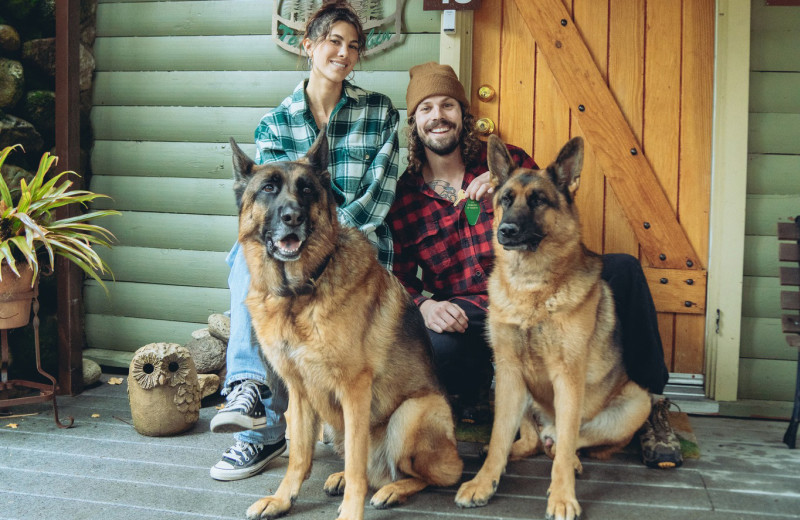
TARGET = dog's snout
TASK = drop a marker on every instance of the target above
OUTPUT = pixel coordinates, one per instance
(291, 215)
(508, 230)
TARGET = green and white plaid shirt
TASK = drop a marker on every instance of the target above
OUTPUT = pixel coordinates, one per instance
(362, 135)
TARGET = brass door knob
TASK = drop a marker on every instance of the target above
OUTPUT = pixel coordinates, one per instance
(485, 126)
(486, 93)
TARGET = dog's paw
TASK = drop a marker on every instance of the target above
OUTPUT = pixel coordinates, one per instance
(334, 485)
(475, 493)
(524, 448)
(563, 508)
(268, 508)
(387, 497)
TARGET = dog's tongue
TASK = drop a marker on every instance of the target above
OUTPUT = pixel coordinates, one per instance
(289, 243)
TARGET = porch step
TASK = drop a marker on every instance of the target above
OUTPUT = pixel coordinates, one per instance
(687, 392)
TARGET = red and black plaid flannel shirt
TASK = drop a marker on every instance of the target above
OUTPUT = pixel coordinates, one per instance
(430, 232)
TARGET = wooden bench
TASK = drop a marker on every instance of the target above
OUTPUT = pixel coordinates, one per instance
(789, 251)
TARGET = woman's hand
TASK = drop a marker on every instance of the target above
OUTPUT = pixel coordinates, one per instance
(444, 316)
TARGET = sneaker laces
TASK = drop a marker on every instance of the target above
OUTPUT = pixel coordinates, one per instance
(244, 396)
(659, 417)
(242, 451)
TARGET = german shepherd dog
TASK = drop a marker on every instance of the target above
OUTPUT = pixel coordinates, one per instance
(345, 337)
(560, 379)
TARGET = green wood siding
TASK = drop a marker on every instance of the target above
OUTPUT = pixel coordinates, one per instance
(174, 81)
(219, 18)
(214, 125)
(768, 365)
(246, 52)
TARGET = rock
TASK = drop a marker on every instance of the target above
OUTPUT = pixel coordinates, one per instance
(88, 34)
(219, 326)
(12, 174)
(46, 17)
(14, 130)
(209, 384)
(12, 83)
(19, 9)
(91, 372)
(200, 334)
(208, 354)
(87, 66)
(88, 22)
(40, 109)
(9, 41)
(88, 11)
(41, 55)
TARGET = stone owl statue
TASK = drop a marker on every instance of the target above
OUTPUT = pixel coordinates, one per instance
(162, 389)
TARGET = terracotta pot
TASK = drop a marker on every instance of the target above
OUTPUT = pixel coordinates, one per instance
(16, 294)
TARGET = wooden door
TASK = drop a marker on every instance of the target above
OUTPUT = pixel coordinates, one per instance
(635, 78)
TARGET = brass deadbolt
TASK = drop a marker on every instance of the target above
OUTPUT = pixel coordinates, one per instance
(486, 93)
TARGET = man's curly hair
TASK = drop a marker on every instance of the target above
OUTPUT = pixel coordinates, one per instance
(468, 141)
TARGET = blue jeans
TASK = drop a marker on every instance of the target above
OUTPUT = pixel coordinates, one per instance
(244, 360)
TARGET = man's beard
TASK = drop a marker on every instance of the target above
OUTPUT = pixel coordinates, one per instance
(440, 147)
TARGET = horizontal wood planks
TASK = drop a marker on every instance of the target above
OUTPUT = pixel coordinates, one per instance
(220, 18)
(244, 52)
(183, 123)
(773, 195)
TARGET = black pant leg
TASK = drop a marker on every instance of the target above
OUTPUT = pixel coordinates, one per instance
(642, 351)
(463, 361)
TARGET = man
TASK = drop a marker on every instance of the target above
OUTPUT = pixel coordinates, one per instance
(441, 224)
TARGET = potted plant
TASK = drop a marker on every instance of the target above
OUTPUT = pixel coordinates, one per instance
(30, 233)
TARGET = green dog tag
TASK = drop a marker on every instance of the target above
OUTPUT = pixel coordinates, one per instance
(472, 209)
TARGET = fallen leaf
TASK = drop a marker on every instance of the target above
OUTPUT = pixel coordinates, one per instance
(220, 406)
(115, 380)
(95, 415)
(12, 425)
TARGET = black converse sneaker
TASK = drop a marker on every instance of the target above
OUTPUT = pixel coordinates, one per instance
(244, 459)
(243, 409)
(660, 446)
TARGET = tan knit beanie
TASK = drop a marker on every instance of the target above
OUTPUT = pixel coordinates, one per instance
(432, 79)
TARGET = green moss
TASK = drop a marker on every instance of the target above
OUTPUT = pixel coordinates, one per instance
(466, 432)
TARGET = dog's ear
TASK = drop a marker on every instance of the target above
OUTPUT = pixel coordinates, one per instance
(501, 164)
(327, 185)
(318, 155)
(242, 171)
(566, 171)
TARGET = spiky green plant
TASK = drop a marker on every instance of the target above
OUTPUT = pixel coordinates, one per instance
(28, 222)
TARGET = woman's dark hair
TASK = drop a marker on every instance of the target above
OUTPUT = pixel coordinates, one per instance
(331, 12)
(470, 144)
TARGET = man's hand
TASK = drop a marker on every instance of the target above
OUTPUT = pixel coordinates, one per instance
(480, 186)
(443, 316)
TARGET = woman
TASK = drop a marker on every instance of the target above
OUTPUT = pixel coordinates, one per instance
(362, 135)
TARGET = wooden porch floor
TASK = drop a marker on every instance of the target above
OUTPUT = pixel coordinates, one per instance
(102, 469)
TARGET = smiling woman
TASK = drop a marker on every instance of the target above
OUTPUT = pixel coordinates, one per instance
(362, 161)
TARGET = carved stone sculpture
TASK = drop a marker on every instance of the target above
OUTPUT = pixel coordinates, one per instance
(163, 390)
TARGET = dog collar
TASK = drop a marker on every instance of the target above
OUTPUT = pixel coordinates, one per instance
(306, 287)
